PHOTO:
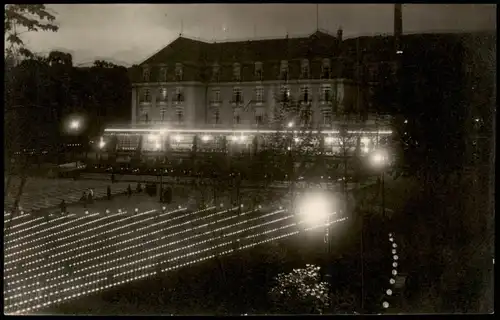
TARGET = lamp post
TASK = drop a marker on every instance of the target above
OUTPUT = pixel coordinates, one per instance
(380, 160)
(74, 127)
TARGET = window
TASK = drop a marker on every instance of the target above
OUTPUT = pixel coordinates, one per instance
(259, 94)
(180, 116)
(179, 95)
(146, 95)
(305, 116)
(304, 94)
(145, 74)
(285, 94)
(163, 74)
(216, 116)
(215, 72)
(258, 70)
(216, 95)
(237, 95)
(259, 119)
(163, 95)
(178, 71)
(163, 114)
(237, 118)
(327, 118)
(284, 70)
(326, 93)
(145, 114)
(305, 69)
(325, 69)
(236, 72)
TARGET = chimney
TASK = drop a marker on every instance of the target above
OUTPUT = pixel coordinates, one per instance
(339, 34)
(398, 25)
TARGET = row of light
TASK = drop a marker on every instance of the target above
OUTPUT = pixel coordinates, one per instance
(81, 232)
(394, 272)
(214, 238)
(155, 232)
(217, 237)
(120, 259)
(45, 243)
(162, 254)
(137, 245)
(39, 306)
(30, 228)
(140, 253)
(74, 249)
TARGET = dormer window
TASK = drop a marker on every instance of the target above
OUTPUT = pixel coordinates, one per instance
(178, 71)
(146, 73)
(325, 69)
(258, 70)
(305, 69)
(215, 72)
(236, 72)
(162, 77)
(284, 70)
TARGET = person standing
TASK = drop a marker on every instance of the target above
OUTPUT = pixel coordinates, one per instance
(113, 177)
(63, 207)
(83, 199)
(129, 190)
(108, 192)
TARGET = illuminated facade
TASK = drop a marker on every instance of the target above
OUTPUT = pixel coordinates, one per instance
(221, 90)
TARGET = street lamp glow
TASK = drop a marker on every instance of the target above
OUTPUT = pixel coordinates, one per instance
(157, 146)
(314, 208)
(178, 138)
(329, 139)
(242, 138)
(74, 124)
(385, 304)
(296, 139)
(205, 138)
(152, 138)
(290, 124)
(102, 144)
(379, 158)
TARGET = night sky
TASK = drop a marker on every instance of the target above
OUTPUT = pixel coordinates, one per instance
(129, 33)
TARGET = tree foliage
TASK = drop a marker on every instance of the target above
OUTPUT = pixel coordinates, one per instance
(21, 18)
(300, 292)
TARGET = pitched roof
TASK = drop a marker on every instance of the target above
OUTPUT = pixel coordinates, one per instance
(318, 44)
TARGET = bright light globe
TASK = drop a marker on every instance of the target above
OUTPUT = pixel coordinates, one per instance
(314, 208)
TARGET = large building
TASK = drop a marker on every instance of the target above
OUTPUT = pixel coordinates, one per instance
(253, 87)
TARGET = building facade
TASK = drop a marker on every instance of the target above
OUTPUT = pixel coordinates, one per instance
(194, 88)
